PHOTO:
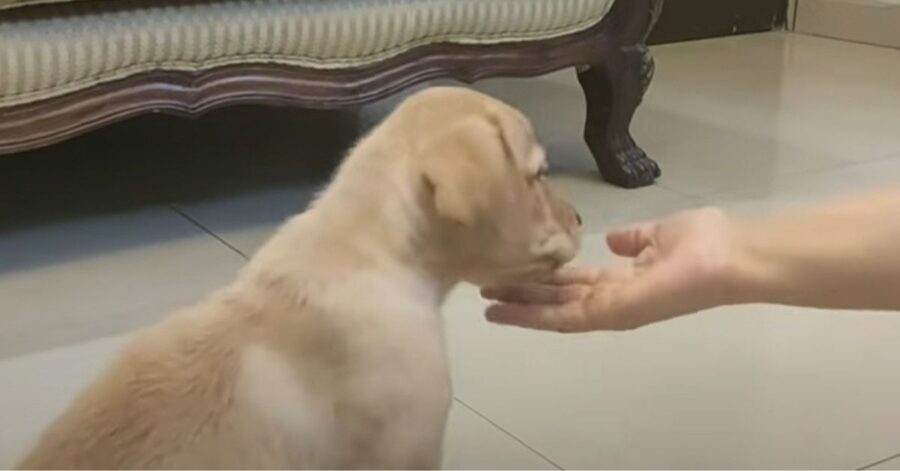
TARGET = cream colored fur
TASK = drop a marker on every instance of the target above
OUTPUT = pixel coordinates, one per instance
(327, 351)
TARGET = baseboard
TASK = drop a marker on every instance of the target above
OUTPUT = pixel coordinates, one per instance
(683, 20)
(867, 21)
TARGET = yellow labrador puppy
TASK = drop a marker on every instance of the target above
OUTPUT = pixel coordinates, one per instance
(328, 350)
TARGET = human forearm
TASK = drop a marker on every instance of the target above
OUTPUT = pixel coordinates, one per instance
(843, 255)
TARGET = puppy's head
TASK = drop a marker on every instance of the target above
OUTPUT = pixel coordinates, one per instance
(482, 172)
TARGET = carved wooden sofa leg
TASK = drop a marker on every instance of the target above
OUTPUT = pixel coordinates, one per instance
(613, 88)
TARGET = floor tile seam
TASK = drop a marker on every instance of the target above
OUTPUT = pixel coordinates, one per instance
(881, 461)
(506, 432)
(204, 228)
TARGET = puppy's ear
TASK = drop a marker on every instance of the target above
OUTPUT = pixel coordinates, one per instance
(459, 166)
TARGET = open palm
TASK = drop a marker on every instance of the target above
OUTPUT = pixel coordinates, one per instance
(675, 267)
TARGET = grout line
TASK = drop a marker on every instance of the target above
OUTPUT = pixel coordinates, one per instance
(508, 433)
(207, 230)
(872, 465)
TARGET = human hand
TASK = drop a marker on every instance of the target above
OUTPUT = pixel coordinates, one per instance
(677, 266)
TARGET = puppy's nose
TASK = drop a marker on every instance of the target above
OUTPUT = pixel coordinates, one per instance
(578, 218)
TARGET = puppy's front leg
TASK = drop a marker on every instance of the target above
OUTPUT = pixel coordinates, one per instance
(409, 445)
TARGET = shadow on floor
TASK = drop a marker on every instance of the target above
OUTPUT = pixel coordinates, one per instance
(157, 160)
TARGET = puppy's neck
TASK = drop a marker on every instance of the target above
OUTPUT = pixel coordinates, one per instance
(369, 223)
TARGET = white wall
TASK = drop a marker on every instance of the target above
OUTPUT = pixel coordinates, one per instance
(867, 21)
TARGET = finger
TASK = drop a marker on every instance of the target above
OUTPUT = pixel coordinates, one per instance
(533, 293)
(565, 318)
(616, 307)
(629, 242)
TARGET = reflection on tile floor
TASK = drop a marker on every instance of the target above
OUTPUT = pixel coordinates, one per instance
(110, 231)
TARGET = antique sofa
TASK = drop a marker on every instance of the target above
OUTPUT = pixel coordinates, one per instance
(69, 66)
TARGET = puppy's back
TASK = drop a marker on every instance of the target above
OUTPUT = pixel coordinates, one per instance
(167, 390)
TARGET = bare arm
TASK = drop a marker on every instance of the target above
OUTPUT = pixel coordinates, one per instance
(841, 255)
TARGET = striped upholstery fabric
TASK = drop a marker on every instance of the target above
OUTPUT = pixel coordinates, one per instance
(9, 4)
(61, 48)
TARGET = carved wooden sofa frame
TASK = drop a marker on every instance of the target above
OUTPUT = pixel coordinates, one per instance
(614, 70)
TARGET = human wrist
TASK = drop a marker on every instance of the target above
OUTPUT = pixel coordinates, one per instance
(750, 274)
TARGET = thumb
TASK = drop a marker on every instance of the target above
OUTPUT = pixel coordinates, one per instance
(629, 242)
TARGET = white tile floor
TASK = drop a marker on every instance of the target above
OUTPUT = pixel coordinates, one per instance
(102, 236)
